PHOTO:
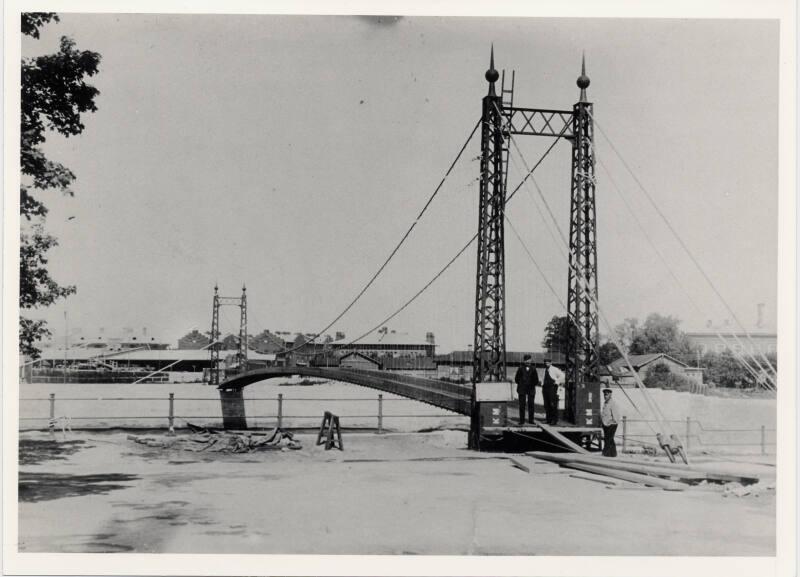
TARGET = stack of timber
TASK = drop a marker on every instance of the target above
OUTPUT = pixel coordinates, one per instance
(667, 476)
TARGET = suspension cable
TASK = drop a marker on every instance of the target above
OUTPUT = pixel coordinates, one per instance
(396, 248)
(460, 252)
(681, 242)
(653, 407)
(674, 276)
(563, 306)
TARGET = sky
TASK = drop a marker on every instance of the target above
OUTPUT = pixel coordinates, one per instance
(291, 153)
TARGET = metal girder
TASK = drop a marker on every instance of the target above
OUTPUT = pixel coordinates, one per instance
(539, 122)
(582, 294)
(230, 301)
(489, 353)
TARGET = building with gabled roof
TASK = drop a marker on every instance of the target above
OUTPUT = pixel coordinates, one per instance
(621, 373)
(356, 360)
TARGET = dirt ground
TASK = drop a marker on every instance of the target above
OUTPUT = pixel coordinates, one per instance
(418, 493)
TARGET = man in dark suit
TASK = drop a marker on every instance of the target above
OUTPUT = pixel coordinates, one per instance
(527, 380)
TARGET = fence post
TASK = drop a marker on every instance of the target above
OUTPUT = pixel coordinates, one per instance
(688, 431)
(380, 414)
(763, 440)
(624, 433)
(280, 410)
(52, 412)
(171, 414)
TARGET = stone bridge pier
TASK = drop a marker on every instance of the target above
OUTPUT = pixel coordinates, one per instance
(233, 414)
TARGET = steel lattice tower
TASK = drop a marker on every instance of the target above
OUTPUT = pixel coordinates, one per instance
(215, 346)
(243, 331)
(501, 121)
(213, 377)
(489, 353)
(581, 356)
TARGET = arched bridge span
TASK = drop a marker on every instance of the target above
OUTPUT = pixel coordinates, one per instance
(449, 396)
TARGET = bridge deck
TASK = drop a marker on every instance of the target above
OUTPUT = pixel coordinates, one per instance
(453, 397)
(449, 396)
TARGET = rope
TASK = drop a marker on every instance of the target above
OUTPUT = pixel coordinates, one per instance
(681, 242)
(396, 248)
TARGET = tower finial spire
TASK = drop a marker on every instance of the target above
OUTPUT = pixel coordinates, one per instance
(492, 75)
(583, 80)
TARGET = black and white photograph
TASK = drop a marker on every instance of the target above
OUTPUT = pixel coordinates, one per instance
(468, 292)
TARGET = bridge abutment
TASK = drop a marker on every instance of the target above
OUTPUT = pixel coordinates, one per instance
(233, 415)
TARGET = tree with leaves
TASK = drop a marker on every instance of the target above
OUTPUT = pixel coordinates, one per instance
(723, 369)
(557, 333)
(54, 95)
(607, 353)
(660, 376)
(658, 334)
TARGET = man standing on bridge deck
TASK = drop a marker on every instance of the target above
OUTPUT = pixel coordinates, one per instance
(608, 417)
(552, 378)
(527, 380)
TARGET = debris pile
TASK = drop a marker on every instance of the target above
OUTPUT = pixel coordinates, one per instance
(204, 439)
(739, 490)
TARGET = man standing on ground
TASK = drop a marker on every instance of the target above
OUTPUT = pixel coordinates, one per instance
(552, 378)
(527, 380)
(608, 417)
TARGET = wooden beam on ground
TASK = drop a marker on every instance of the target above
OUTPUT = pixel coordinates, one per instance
(595, 478)
(628, 476)
(519, 465)
(624, 465)
(686, 472)
(562, 439)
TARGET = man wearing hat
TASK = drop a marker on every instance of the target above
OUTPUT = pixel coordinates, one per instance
(608, 417)
(553, 376)
(527, 380)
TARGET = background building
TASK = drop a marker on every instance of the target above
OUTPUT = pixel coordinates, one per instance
(758, 342)
(642, 364)
(457, 365)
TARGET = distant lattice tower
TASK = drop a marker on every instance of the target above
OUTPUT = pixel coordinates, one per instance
(216, 345)
(242, 354)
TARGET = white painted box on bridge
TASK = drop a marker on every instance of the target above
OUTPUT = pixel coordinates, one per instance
(494, 391)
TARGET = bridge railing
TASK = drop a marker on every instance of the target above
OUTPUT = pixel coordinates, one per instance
(697, 437)
(371, 413)
(380, 412)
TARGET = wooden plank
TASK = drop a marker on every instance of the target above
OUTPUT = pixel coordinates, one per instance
(561, 438)
(519, 465)
(623, 465)
(688, 472)
(628, 476)
(595, 478)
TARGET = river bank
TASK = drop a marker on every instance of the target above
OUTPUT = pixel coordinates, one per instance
(384, 494)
